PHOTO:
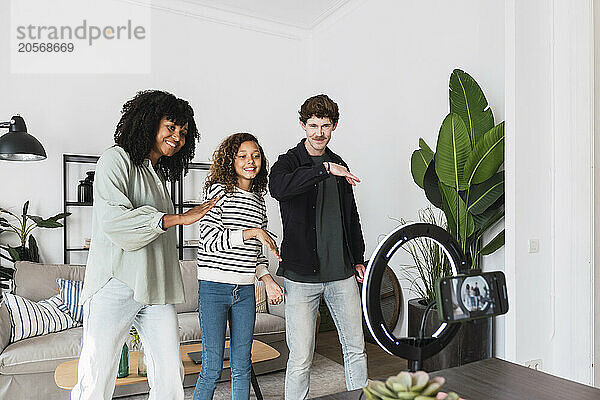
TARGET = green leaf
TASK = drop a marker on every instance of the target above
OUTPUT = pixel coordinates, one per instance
(14, 254)
(482, 196)
(451, 222)
(35, 219)
(4, 223)
(494, 244)
(458, 209)
(490, 216)
(59, 216)
(25, 208)
(418, 166)
(33, 250)
(431, 186)
(426, 149)
(47, 223)
(452, 151)
(468, 101)
(486, 157)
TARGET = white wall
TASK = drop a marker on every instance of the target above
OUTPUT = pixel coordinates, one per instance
(232, 77)
(549, 82)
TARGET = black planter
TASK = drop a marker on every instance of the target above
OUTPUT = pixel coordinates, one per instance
(473, 342)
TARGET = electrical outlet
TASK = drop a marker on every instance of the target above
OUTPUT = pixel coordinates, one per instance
(534, 364)
(533, 245)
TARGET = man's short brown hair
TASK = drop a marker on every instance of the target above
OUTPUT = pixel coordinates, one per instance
(320, 106)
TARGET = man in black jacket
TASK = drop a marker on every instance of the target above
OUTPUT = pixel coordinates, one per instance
(322, 248)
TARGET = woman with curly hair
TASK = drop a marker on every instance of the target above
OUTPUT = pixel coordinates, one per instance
(229, 258)
(132, 274)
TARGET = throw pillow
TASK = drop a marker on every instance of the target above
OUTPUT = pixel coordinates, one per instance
(29, 319)
(69, 294)
(260, 292)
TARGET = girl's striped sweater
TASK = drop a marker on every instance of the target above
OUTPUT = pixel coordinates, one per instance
(223, 255)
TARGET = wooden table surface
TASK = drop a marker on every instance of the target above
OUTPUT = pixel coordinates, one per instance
(495, 379)
(65, 374)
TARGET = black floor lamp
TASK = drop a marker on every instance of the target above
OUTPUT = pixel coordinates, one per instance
(17, 144)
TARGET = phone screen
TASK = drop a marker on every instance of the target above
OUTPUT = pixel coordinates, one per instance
(468, 297)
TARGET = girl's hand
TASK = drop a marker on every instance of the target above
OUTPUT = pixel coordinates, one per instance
(264, 238)
(274, 291)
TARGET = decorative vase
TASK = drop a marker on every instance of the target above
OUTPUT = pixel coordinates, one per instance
(124, 362)
(142, 368)
(85, 192)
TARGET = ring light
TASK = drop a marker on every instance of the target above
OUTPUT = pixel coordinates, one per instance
(408, 348)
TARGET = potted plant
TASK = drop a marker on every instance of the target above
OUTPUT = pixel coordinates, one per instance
(23, 226)
(463, 178)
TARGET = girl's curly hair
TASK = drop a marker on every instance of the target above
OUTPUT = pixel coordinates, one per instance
(222, 169)
(139, 123)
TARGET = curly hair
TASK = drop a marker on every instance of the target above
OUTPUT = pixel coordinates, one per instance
(222, 169)
(320, 106)
(136, 130)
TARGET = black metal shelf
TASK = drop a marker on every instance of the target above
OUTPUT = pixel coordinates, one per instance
(78, 158)
(188, 205)
(176, 197)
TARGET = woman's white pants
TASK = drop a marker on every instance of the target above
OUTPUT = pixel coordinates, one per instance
(107, 317)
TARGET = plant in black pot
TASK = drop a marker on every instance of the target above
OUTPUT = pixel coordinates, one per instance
(23, 226)
(463, 178)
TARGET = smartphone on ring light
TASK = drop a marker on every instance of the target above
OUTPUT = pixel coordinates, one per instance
(467, 297)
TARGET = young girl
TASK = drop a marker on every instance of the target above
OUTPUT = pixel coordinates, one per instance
(229, 257)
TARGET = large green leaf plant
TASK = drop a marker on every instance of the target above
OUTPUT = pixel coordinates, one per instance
(463, 176)
(23, 226)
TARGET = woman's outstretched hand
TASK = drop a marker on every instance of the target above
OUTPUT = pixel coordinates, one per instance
(190, 216)
(274, 291)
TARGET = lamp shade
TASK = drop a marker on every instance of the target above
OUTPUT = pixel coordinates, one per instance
(18, 145)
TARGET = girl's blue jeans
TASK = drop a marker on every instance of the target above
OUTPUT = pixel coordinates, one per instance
(216, 303)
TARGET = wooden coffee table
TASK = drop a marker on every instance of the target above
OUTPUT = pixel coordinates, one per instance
(65, 374)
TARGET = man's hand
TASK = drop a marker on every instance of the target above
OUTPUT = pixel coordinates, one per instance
(360, 272)
(340, 170)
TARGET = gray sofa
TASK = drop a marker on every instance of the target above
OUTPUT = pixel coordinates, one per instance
(27, 366)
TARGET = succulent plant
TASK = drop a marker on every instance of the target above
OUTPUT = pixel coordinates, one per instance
(408, 386)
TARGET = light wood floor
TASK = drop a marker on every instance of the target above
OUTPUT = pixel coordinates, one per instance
(379, 363)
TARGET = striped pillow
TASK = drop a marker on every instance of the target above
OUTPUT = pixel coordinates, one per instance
(69, 294)
(260, 292)
(29, 319)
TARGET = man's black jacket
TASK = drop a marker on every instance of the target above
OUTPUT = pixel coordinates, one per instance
(293, 181)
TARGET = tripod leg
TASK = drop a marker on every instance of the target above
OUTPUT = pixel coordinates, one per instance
(255, 386)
